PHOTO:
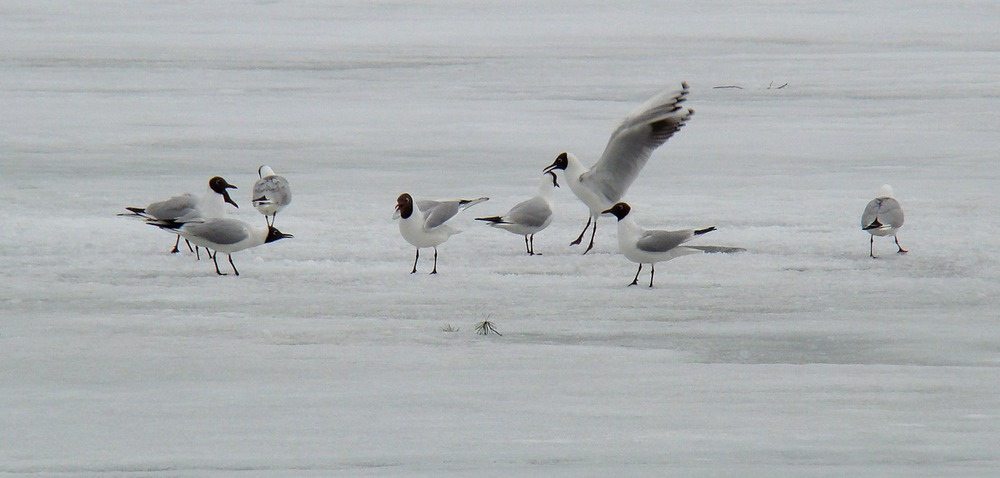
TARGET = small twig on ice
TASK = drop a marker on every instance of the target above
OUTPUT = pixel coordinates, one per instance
(722, 87)
(486, 328)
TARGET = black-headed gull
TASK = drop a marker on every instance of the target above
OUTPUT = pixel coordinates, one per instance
(223, 235)
(422, 223)
(644, 246)
(271, 193)
(529, 217)
(631, 144)
(189, 207)
(883, 217)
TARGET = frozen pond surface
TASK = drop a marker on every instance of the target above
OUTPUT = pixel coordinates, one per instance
(800, 357)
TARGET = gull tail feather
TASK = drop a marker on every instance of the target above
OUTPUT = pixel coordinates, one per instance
(467, 203)
(139, 212)
(717, 249)
(492, 220)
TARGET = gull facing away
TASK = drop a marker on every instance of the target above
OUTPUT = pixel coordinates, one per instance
(223, 235)
(188, 207)
(529, 217)
(422, 223)
(642, 131)
(651, 246)
(883, 217)
(271, 193)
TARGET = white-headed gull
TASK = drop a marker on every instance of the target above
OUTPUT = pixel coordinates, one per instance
(422, 223)
(883, 217)
(529, 217)
(650, 246)
(631, 144)
(189, 207)
(223, 235)
(271, 193)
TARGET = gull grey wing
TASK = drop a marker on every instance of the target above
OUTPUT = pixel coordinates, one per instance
(173, 208)
(275, 189)
(532, 213)
(425, 205)
(886, 211)
(219, 231)
(437, 212)
(663, 241)
(634, 141)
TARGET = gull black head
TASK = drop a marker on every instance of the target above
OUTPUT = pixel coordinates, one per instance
(404, 205)
(275, 235)
(555, 181)
(561, 162)
(620, 210)
(220, 186)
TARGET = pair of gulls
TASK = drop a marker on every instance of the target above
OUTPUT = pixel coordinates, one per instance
(202, 219)
(601, 187)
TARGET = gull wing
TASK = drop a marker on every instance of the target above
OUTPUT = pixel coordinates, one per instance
(532, 213)
(663, 241)
(886, 211)
(218, 231)
(632, 143)
(173, 208)
(437, 213)
(272, 190)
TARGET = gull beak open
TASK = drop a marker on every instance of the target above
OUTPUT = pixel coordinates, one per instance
(395, 215)
(550, 168)
(225, 195)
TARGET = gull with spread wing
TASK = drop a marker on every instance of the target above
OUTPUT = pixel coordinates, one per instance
(631, 144)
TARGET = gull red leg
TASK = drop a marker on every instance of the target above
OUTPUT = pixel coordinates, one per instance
(592, 234)
(636, 280)
(584, 231)
(234, 265)
(175, 250)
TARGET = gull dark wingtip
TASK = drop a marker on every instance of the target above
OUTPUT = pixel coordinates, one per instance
(704, 231)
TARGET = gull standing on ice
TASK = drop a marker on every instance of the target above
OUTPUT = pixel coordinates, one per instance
(883, 217)
(529, 217)
(650, 246)
(188, 207)
(631, 144)
(271, 193)
(223, 235)
(422, 223)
